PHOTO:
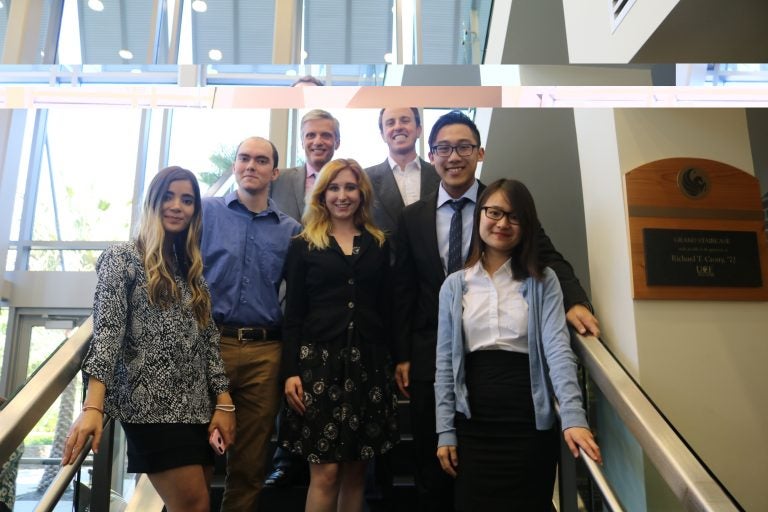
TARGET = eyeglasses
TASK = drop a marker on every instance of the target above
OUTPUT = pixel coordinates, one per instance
(496, 214)
(461, 149)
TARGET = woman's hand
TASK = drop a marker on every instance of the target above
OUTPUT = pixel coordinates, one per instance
(90, 422)
(294, 394)
(449, 459)
(224, 420)
(582, 437)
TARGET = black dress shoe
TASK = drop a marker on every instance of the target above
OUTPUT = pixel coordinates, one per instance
(279, 477)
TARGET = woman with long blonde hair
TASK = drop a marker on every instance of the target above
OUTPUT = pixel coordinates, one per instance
(339, 381)
(154, 362)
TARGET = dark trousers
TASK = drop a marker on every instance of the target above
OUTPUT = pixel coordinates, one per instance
(433, 485)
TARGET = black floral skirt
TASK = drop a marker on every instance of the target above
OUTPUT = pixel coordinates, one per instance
(351, 405)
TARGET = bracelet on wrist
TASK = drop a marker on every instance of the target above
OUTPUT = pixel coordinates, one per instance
(92, 407)
(225, 407)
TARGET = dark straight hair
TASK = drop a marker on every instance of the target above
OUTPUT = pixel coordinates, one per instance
(453, 117)
(525, 255)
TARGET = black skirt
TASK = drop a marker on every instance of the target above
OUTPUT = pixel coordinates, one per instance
(505, 464)
(156, 447)
(351, 405)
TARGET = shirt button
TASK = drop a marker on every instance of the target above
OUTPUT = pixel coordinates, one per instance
(251, 238)
(351, 281)
(351, 305)
(242, 301)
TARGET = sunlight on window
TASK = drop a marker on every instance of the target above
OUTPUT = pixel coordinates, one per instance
(86, 188)
(204, 141)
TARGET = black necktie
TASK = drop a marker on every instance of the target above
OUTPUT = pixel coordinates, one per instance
(454, 235)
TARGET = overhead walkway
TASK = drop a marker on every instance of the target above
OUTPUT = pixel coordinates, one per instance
(582, 485)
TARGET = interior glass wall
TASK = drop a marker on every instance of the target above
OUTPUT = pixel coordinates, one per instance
(204, 141)
(347, 31)
(85, 183)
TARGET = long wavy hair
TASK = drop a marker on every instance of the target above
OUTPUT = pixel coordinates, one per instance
(525, 255)
(317, 219)
(161, 287)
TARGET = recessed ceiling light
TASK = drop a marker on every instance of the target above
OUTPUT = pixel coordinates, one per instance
(96, 5)
(388, 58)
(199, 6)
(1, 5)
(304, 55)
(125, 54)
(291, 72)
(215, 54)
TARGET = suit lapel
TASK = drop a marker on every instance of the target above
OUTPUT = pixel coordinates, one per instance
(430, 180)
(300, 177)
(389, 194)
(428, 224)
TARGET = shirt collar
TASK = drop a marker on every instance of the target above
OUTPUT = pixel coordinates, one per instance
(443, 197)
(311, 170)
(231, 198)
(478, 269)
(416, 161)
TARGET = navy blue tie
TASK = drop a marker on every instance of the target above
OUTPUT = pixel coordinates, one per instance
(454, 235)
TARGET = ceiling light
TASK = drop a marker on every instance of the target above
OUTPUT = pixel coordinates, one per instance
(291, 72)
(199, 6)
(388, 58)
(215, 54)
(96, 5)
(1, 5)
(125, 54)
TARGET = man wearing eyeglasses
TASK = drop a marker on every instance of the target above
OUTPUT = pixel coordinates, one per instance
(403, 178)
(433, 238)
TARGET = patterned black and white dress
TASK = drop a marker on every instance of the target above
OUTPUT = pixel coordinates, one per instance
(336, 338)
(157, 365)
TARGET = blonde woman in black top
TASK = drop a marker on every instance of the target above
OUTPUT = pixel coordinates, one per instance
(154, 361)
(339, 383)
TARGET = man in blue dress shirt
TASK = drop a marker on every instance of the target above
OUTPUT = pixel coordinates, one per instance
(244, 243)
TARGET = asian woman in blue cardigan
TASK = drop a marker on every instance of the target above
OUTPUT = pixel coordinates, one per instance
(503, 356)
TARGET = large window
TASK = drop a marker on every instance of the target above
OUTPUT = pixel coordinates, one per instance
(86, 180)
(204, 141)
(347, 31)
(454, 31)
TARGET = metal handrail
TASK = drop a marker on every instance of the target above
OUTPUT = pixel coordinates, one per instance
(598, 477)
(686, 476)
(22, 412)
(55, 491)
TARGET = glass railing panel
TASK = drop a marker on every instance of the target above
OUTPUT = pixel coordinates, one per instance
(43, 447)
(634, 478)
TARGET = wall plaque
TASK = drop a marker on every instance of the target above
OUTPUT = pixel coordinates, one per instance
(684, 257)
(697, 231)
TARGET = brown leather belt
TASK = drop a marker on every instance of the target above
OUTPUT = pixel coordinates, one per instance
(251, 333)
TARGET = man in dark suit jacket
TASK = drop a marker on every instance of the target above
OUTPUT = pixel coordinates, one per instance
(403, 178)
(320, 139)
(420, 269)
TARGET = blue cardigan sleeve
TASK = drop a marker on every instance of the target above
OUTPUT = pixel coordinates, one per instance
(559, 356)
(445, 384)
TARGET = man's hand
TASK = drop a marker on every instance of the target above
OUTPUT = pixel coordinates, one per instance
(449, 459)
(402, 371)
(582, 319)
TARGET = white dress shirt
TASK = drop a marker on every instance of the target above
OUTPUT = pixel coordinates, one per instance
(408, 179)
(495, 313)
